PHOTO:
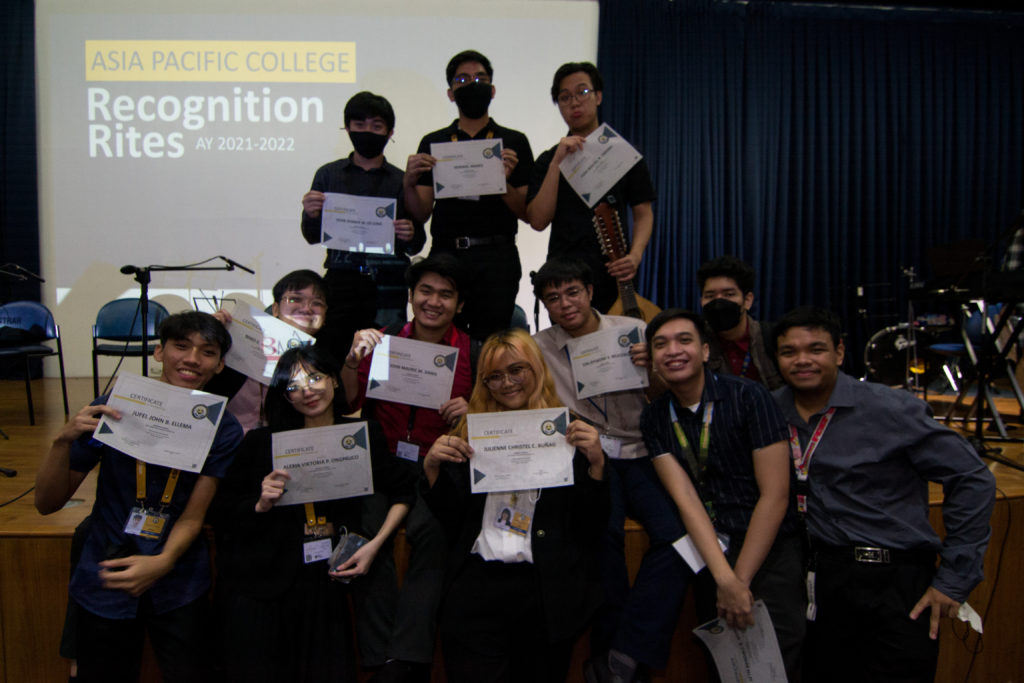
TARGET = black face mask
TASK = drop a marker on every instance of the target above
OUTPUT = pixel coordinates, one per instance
(368, 145)
(722, 314)
(473, 99)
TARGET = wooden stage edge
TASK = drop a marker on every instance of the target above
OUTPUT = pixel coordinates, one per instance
(34, 561)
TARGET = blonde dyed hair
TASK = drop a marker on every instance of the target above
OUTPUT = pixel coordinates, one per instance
(520, 344)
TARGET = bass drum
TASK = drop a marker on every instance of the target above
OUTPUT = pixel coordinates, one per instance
(890, 352)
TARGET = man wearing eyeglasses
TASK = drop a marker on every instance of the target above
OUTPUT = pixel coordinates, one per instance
(577, 90)
(479, 231)
(634, 628)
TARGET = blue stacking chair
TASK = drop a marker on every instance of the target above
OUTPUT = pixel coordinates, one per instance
(118, 332)
(25, 329)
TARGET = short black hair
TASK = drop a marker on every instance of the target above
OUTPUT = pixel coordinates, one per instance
(559, 271)
(281, 415)
(183, 325)
(366, 105)
(731, 267)
(570, 68)
(670, 314)
(296, 281)
(445, 265)
(467, 56)
(811, 317)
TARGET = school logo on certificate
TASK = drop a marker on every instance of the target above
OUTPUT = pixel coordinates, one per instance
(438, 361)
(199, 412)
(349, 442)
(548, 427)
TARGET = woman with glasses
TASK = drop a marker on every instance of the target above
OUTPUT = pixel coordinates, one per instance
(284, 614)
(518, 592)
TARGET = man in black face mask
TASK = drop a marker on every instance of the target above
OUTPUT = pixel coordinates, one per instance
(363, 290)
(742, 346)
(479, 231)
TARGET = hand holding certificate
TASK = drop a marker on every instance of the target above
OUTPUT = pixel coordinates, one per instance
(161, 424)
(751, 655)
(412, 372)
(324, 463)
(257, 341)
(604, 159)
(601, 362)
(469, 168)
(354, 223)
(520, 449)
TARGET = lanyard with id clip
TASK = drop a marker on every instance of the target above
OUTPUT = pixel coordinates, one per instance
(698, 462)
(145, 522)
(317, 533)
(802, 464)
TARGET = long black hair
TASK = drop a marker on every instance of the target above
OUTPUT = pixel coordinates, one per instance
(281, 415)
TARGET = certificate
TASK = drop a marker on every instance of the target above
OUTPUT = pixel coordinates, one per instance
(469, 168)
(602, 162)
(257, 341)
(353, 223)
(601, 363)
(520, 449)
(161, 424)
(413, 372)
(325, 463)
(748, 656)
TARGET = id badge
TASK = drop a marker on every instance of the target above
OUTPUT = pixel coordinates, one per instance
(408, 451)
(812, 606)
(316, 549)
(611, 446)
(148, 524)
(515, 518)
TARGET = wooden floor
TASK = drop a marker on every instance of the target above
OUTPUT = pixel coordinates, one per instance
(34, 559)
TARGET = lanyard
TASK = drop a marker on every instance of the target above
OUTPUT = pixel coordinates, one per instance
(746, 365)
(700, 462)
(455, 136)
(140, 484)
(311, 519)
(802, 458)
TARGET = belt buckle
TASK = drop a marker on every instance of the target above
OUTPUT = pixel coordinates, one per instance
(871, 555)
(462, 243)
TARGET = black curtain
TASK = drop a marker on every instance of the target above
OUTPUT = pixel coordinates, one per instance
(19, 213)
(828, 146)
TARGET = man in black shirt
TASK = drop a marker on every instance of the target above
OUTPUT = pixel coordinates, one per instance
(479, 231)
(577, 89)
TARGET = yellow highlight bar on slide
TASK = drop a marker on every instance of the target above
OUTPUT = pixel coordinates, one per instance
(266, 61)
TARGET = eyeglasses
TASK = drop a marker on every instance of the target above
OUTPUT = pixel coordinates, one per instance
(570, 294)
(463, 79)
(302, 301)
(316, 382)
(516, 374)
(578, 96)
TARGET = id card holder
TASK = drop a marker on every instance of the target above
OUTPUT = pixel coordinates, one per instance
(315, 549)
(522, 516)
(611, 446)
(148, 524)
(408, 451)
(812, 606)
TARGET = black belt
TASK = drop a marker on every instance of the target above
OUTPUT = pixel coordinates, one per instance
(470, 242)
(874, 555)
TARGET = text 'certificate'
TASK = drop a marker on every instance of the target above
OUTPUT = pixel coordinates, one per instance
(605, 158)
(353, 223)
(161, 424)
(520, 449)
(751, 655)
(257, 341)
(412, 372)
(325, 463)
(601, 362)
(469, 168)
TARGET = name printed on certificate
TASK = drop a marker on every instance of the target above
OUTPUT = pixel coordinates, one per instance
(257, 341)
(161, 424)
(601, 363)
(520, 449)
(325, 463)
(751, 655)
(353, 223)
(593, 171)
(469, 168)
(412, 372)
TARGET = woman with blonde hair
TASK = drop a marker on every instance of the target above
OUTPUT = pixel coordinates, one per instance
(517, 594)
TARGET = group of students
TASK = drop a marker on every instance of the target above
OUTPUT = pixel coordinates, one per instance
(716, 453)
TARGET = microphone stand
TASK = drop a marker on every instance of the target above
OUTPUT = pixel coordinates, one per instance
(143, 276)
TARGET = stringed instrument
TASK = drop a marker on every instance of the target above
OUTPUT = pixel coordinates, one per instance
(611, 237)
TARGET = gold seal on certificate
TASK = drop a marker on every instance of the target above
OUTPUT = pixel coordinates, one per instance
(605, 157)
(749, 655)
(469, 168)
(601, 363)
(520, 449)
(354, 223)
(325, 463)
(257, 341)
(412, 372)
(161, 424)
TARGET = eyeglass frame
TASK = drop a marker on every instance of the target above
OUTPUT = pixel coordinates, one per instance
(579, 95)
(294, 387)
(517, 376)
